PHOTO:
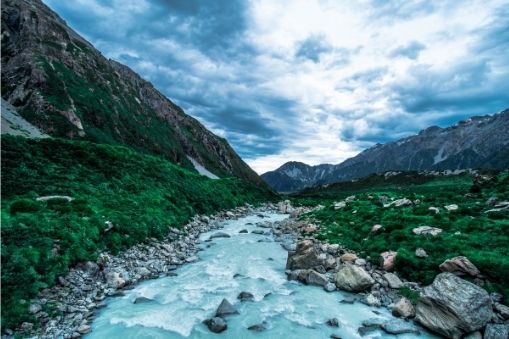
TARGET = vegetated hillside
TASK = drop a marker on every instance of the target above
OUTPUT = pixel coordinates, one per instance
(478, 229)
(477, 143)
(60, 83)
(141, 195)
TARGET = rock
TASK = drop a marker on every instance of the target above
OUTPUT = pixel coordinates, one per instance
(310, 229)
(496, 331)
(225, 308)
(258, 327)
(230, 214)
(459, 266)
(245, 296)
(387, 260)
(397, 326)
(372, 300)
(403, 309)
(304, 257)
(353, 278)
(399, 203)
(216, 324)
(333, 249)
(339, 205)
(299, 275)
(259, 232)
(347, 300)
(315, 278)
(83, 329)
(243, 231)
(34, 308)
(360, 262)
(115, 280)
(453, 307)
(451, 207)
(333, 322)
(348, 257)
(473, 335)
(334, 336)
(329, 287)
(376, 228)
(427, 230)
(420, 253)
(434, 209)
(142, 300)
(502, 310)
(393, 280)
(219, 235)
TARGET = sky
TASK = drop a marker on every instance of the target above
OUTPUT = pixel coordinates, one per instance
(315, 81)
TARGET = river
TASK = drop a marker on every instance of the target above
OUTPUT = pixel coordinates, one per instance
(227, 266)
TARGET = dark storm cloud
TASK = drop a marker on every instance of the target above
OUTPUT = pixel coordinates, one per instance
(410, 50)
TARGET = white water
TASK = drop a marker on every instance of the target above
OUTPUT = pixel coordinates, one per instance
(181, 303)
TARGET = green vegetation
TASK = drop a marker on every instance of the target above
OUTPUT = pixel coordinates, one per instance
(142, 196)
(470, 230)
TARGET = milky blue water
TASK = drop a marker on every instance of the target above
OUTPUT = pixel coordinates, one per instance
(181, 303)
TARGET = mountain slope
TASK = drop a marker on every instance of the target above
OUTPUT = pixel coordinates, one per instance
(479, 142)
(64, 86)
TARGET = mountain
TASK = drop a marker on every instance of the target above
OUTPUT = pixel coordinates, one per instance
(479, 142)
(62, 85)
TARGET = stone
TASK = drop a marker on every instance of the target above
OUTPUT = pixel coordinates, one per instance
(399, 203)
(34, 308)
(453, 307)
(353, 278)
(393, 280)
(403, 309)
(258, 327)
(496, 331)
(451, 207)
(243, 231)
(348, 257)
(372, 300)
(339, 205)
(334, 336)
(216, 324)
(397, 326)
(347, 300)
(434, 209)
(333, 322)
(376, 228)
(473, 335)
(259, 232)
(83, 329)
(459, 266)
(387, 260)
(427, 230)
(420, 253)
(360, 262)
(115, 280)
(142, 300)
(501, 309)
(310, 229)
(225, 308)
(219, 235)
(315, 278)
(245, 296)
(304, 257)
(329, 287)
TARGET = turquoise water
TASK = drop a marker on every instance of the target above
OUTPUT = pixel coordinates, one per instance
(181, 303)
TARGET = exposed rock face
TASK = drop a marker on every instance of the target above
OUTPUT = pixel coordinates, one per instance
(353, 278)
(453, 307)
(459, 266)
(62, 85)
(479, 142)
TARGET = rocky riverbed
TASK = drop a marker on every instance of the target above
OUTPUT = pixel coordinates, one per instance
(451, 306)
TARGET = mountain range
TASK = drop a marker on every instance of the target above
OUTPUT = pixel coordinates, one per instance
(479, 142)
(62, 85)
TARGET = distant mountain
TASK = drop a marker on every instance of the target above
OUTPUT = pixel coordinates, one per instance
(61, 84)
(479, 142)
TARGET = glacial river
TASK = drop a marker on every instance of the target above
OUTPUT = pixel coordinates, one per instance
(227, 266)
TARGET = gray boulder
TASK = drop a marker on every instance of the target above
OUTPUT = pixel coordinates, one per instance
(225, 308)
(453, 307)
(216, 324)
(304, 257)
(393, 280)
(397, 326)
(353, 278)
(220, 235)
(245, 296)
(315, 278)
(496, 331)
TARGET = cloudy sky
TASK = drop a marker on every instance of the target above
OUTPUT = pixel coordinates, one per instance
(309, 80)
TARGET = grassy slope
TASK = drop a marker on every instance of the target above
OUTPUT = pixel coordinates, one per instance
(141, 195)
(483, 237)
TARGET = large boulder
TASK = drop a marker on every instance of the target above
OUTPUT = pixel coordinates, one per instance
(496, 331)
(315, 278)
(115, 280)
(216, 324)
(459, 266)
(225, 308)
(403, 309)
(353, 278)
(387, 260)
(304, 257)
(453, 307)
(393, 280)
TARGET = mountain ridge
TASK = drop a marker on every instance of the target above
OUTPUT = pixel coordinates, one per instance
(478, 142)
(64, 86)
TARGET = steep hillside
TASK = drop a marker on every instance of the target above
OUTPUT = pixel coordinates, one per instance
(479, 142)
(141, 196)
(60, 83)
